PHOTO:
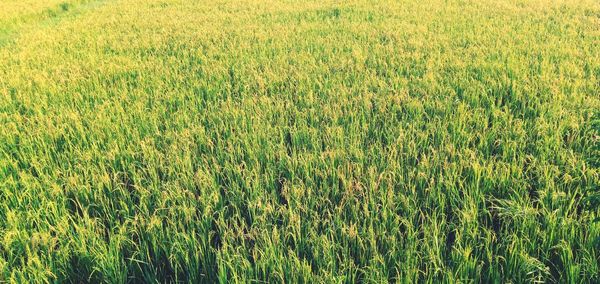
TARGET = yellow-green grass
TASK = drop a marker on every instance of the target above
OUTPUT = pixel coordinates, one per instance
(18, 15)
(14, 9)
(300, 141)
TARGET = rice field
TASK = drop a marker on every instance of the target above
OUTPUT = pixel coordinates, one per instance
(282, 141)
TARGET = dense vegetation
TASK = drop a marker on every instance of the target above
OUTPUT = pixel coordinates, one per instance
(300, 141)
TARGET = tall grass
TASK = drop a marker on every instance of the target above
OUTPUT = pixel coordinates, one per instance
(300, 141)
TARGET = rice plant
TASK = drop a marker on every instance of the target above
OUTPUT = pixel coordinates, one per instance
(281, 141)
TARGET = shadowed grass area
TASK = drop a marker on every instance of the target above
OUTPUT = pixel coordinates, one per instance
(301, 141)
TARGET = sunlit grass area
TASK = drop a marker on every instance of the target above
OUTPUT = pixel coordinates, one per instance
(300, 141)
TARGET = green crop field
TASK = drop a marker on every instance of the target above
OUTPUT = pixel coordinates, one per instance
(270, 141)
